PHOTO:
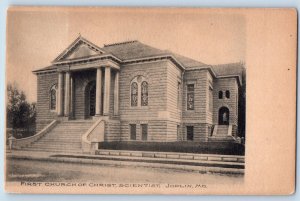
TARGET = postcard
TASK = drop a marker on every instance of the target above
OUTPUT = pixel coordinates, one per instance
(115, 100)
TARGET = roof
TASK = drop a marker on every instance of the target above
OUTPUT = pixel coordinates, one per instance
(188, 62)
(45, 69)
(231, 69)
(131, 50)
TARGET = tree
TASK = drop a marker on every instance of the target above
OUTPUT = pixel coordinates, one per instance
(20, 114)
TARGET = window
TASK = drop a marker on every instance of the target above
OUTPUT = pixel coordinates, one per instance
(178, 94)
(139, 90)
(144, 131)
(190, 97)
(227, 94)
(144, 96)
(134, 94)
(178, 133)
(220, 94)
(190, 133)
(53, 98)
(132, 131)
(210, 99)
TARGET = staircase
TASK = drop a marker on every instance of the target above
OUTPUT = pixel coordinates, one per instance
(65, 137)
(221, 133)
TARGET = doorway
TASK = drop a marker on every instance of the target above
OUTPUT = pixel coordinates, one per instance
(223, 116)
(90, 94)
(93, 100)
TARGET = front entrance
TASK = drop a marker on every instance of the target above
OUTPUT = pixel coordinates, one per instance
(93, 100)
(90, 94)
(223, 116)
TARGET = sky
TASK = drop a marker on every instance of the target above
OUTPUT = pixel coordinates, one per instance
(36, 36)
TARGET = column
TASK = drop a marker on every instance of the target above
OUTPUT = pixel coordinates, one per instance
(60, 94)
(98, 91)
(116, 94)
(67, 94)
(71, 96)
(106, 91)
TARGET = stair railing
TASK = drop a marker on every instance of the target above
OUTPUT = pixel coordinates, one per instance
(229, 130)
(215, 130)
(91, 138)
(24, 142)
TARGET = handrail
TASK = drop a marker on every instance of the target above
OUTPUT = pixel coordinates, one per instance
(229, 130)
(215, 130)
(23, 142)
(86, 141)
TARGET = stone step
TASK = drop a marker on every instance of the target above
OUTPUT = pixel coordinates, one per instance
(218, 135)
(56, 141)
(221, 139)
(74, 125)
(219, 132)
(54, 150)
(61, 137)
(58, 146)
(47, 142)
(64, 137)
(70, 129)
(65, 129)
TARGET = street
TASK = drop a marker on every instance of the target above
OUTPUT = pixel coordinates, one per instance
(39, 171)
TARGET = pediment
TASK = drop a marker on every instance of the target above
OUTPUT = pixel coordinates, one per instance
(80, 48)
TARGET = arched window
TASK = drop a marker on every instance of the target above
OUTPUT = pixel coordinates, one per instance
(144, 95)
(220, 94)
(53, 98)
(139, 90)
(227, 94)
(134, 94)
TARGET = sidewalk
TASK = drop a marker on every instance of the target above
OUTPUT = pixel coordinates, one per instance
(134, 161)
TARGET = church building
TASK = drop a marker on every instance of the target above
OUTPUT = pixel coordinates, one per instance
(130, 91)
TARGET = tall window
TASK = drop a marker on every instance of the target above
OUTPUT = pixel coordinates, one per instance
(190, 133)
(178, 94)
(210, 100)
(178, 132)
(53, 98)
(190, 96)
(144, 96)
(139, 90)
(132, 131)
(227, 94)
(220, 94)
(144, 131)
(134, 94)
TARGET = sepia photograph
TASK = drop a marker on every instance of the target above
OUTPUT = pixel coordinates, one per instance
(128, 100)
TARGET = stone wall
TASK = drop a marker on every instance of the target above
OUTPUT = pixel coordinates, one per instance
(158, 130)
(200, 80)
(44, 83)
(223, 84)
(156, 75)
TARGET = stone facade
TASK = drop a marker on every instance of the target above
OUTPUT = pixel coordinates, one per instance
(182, 98)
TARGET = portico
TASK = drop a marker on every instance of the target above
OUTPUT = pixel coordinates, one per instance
(102, 77)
